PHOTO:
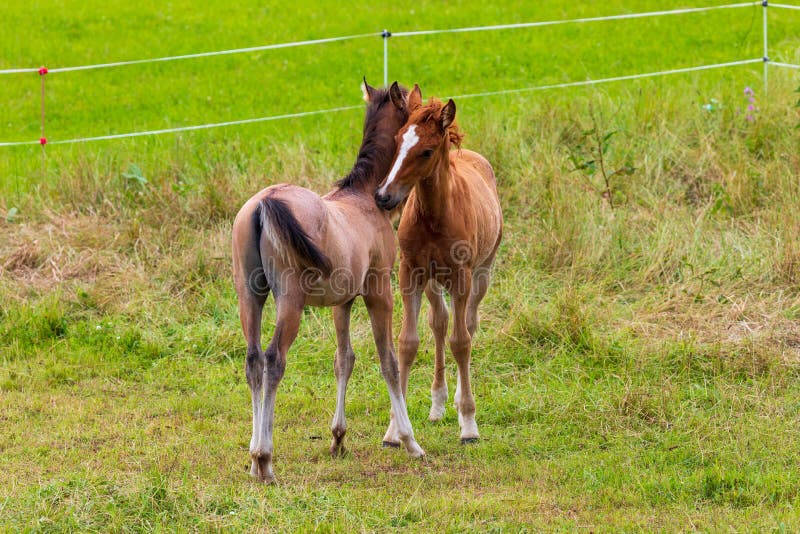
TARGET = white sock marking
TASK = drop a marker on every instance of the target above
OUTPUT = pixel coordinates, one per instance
(403, 425)
(410, 138)
(339, 421)
(438, 400)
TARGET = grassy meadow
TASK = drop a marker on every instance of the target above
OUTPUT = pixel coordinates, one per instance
(638, 361)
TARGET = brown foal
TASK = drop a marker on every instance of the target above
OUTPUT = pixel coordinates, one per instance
(449, 233)
(323, 251)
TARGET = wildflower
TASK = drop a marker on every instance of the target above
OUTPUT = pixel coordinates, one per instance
(751, 109)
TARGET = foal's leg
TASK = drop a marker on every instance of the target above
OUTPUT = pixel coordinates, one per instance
(461, 346)
(343, 367)
(252, 289)
(411, 290)
(379, 305)
(480, 284)
(288, 313)
(437, 320)
(250, 307)
(409, 336)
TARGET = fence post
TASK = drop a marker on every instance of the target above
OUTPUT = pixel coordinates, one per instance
(765, 5)
(42, 139)
(386, 34)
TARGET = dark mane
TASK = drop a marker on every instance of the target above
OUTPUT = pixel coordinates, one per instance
(377, 145)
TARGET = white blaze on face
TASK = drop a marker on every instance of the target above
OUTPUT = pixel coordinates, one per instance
(410, 139)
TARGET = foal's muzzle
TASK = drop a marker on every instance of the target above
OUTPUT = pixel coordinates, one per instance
(386, 202)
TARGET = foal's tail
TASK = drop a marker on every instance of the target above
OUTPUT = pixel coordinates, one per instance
(280, 226)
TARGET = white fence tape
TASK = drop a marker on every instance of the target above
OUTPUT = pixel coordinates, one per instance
(345, 108)
(574, 21)
(614, 79)
(393, 34)
(186, 128)
(385, 34)
(200, 54)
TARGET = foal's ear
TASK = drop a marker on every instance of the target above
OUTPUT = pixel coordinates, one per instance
(448, 114)
(414, 98)
(397, 97)
(366, 91)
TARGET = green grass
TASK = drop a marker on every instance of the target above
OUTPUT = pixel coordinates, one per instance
(636, 368)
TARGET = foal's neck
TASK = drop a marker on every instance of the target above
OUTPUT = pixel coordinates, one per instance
(433, 192)
(372, 164)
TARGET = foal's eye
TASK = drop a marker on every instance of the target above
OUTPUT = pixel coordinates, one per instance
(427, 153)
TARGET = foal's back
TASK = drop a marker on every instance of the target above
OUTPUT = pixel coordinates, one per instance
(477, 176)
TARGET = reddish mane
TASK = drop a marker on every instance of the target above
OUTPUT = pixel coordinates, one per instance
(432, 111)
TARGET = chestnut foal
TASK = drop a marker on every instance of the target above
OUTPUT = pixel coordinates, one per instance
(321, 252)
(449, 234)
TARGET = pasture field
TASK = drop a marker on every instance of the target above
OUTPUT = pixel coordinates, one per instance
(637, 366)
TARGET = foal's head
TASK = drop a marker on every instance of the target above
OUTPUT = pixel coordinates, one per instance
(385, 116)
(423, 146)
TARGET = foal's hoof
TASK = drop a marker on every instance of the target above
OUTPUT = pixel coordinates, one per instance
(261, 469)
(436, 413)
(390, 445)
(417, 452)
(466, 441)
(338, 452)
(337, 445)
(264, 478)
